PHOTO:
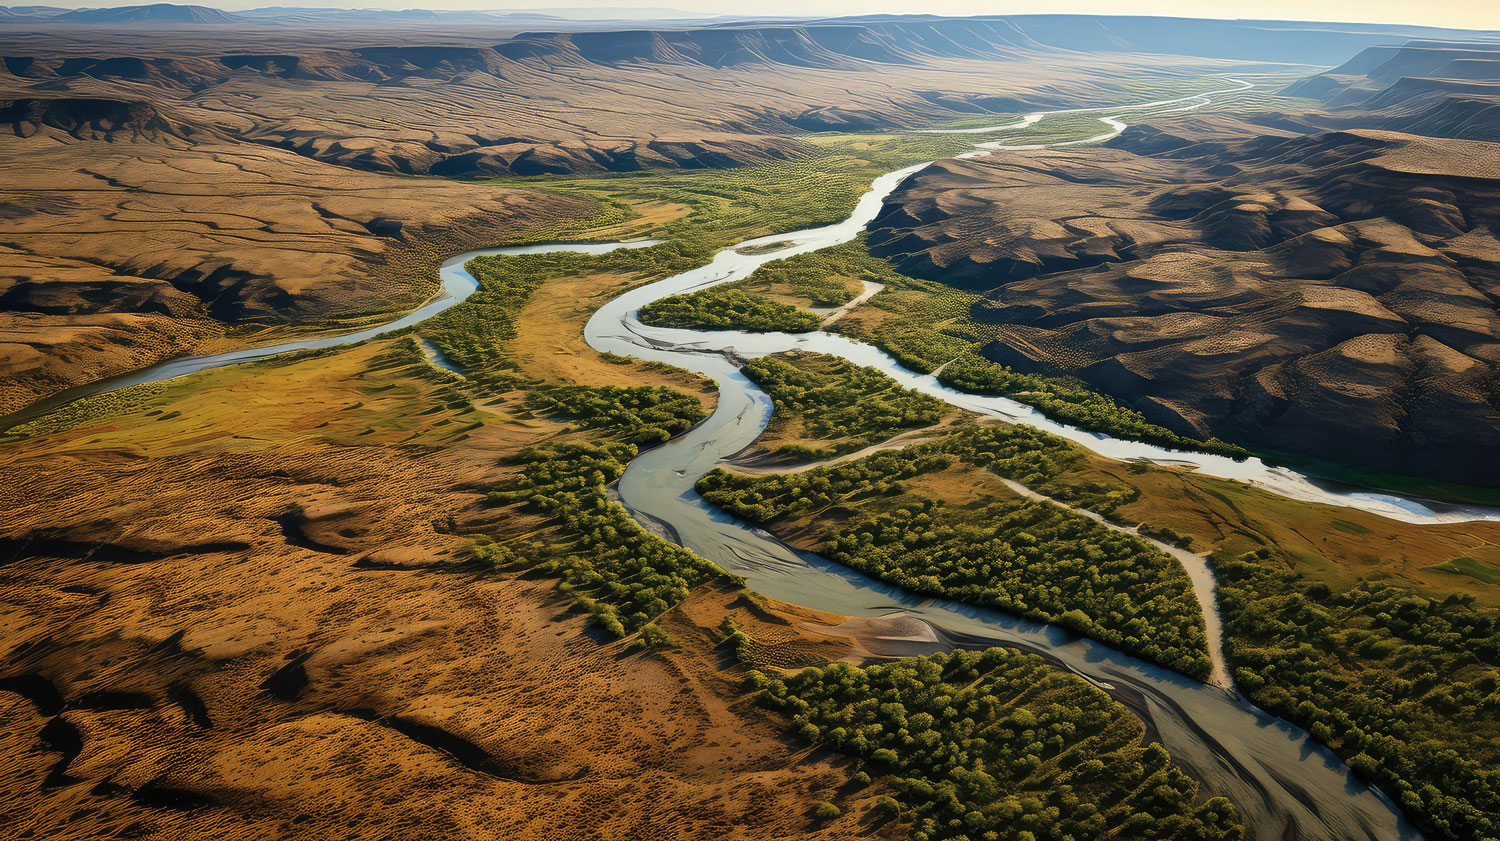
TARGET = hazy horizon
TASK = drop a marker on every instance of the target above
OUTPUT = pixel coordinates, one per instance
(1459, 14)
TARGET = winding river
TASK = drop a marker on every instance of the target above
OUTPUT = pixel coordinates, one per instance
(1286, 785)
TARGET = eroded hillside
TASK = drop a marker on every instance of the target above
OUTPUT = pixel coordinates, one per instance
(1331, 295)
(132, 236)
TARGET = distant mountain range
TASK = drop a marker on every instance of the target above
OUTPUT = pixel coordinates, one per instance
(1292, 42)
(156, 12)
(1436, 88)
(177, 13)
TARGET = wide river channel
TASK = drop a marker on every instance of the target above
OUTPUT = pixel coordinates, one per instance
(1286, 786)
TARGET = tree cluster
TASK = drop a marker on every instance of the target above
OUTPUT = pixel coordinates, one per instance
(638, 414)
(998, 746)
(1073, 403)
(820, 276)
(1402, 686)
(621, 573)
(477, 334)
(720, 308)
(849, 405)
(1032, 559)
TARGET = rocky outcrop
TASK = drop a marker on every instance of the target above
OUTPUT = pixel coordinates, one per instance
(1332, 296)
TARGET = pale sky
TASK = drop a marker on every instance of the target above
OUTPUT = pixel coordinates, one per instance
(1462, 14)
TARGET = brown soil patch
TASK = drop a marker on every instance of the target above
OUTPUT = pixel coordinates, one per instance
(270, 633)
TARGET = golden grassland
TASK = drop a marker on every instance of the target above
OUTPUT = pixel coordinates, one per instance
(1334, 545)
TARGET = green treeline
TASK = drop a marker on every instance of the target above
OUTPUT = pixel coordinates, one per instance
(998, 745)
(1071, 402)
(929, 325)
(719, 308)
(920, 323)
(622, 574)
(929, 329)
(1029, 558)
(818, 276)
(1401, 686)
(834, 400)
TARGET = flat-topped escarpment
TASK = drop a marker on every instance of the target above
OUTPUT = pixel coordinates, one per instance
(1434, 88)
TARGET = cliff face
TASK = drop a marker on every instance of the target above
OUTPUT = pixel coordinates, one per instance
(1332, 295)
(1437, 89)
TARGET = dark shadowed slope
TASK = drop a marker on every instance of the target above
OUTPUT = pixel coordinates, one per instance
(1331, 295)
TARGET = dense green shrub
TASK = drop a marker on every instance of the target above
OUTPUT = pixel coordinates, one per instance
(1403, 687)
(477, 333)
(819, 275)
(834, 400)
(608, 563)
(1072, 403)
(928, 328)
(1030, 558)
(998, 745)
(719, 308)
(639, 414)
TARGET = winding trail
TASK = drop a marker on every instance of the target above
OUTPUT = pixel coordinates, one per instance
(1195, 564)
(869, 291)
(1285, 785)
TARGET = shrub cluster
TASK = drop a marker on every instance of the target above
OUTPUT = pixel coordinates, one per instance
(638, 414)
(477, 333)
(928, 327)
(1405, 688)
(820, 276)
(1072, 403)
(1033, 559)
(998, 746)
(849, 405)
(622, 574)
(720, 308)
